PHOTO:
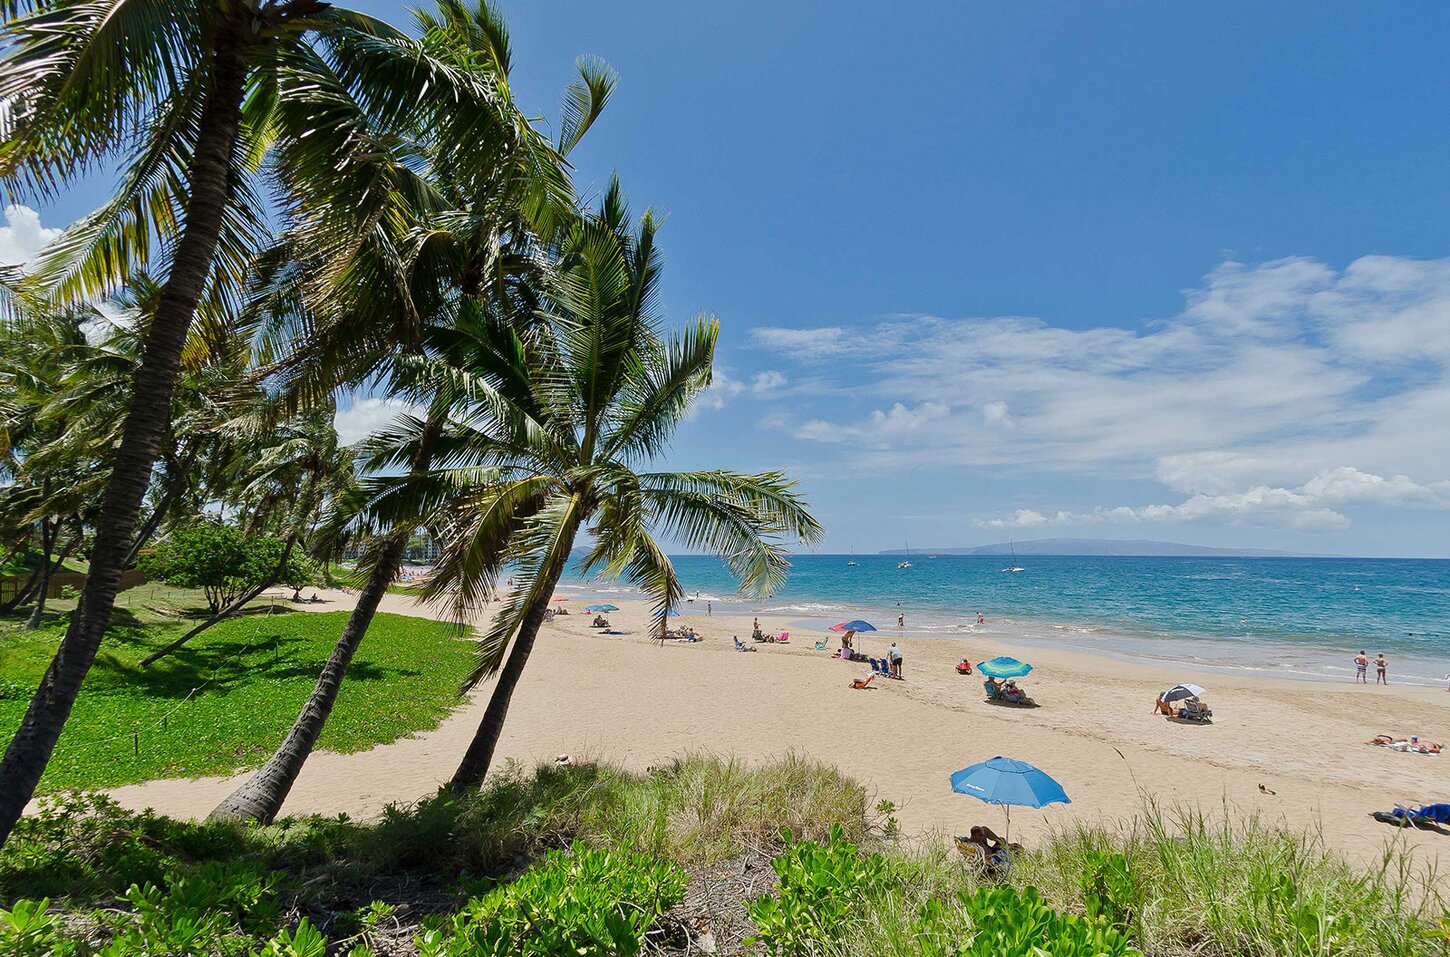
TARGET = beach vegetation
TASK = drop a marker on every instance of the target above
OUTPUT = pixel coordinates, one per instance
(224, 563)
(583, 902)
(561, 848)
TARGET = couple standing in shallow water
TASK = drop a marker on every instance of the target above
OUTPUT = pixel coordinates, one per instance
(1361, 667)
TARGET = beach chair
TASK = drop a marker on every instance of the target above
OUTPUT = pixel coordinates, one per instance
(821, 645)
(992, 693)
(987, 865)
(784, 638)
(860, 683)
(1195, 710)
(1427, 816)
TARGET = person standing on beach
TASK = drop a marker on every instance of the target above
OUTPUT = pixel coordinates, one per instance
(709, 609)
(893, 655)
(1361, 663)
(900, 621)
(1379, 669)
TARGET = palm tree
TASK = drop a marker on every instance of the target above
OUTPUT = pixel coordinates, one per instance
(369, 293)
(561, 417)
(189, 94)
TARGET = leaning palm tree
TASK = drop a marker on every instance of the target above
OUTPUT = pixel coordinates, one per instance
(562, 418)
(370, 297)
(184, 97)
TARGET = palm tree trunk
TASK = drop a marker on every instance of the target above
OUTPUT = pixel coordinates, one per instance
(146, 423)
(479, 756)
(169, 499)
(262, 795)
(48, 536)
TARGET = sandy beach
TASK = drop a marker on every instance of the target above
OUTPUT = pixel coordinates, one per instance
(1291, 752)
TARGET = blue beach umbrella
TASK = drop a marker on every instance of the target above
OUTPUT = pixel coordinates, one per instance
(1007, 782)
(856, 624)
(602, 608)
(1004, 667)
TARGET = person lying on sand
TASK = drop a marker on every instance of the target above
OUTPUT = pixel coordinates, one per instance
(1411, 744)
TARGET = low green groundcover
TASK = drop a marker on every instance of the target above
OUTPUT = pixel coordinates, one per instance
(224, 701)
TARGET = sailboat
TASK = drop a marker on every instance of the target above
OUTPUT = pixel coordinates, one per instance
(1014, 567)
(906, 563)
(852, 563)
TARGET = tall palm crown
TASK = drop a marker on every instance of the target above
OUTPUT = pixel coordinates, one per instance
(191, 96)
(561, 416)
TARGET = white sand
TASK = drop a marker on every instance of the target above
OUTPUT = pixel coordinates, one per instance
(629, 700)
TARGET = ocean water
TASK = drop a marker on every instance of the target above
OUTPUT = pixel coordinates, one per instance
(1290, 617)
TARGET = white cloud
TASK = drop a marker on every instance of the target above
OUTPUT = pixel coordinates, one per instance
(1248, 402)
(724, 387)
(1312, 505)
(996, 416)
(367, 416)
(22, 236)
(880, 429)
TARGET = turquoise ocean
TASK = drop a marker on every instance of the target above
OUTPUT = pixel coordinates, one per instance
(1287, 617)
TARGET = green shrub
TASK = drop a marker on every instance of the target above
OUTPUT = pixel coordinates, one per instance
(825, 888)
(582, 903)
(87, 847)
(1111, 893)
(223, 563)
(1007, 922)
(28, 929)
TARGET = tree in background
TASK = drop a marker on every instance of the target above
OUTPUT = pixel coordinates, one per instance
(561, 417)
(184, 98)
(371, 287)
(222, 562)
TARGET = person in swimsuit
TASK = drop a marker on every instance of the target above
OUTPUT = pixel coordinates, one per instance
(1379, 669)
(1361, 662)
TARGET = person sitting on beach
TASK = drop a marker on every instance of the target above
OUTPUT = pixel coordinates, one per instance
(1013, 694)
(983, 842)
(993, 687)
(964, 667)
(549, 615)
(1164, 708)
(600, 622)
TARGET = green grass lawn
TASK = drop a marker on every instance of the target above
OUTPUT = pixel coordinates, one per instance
(253, 674)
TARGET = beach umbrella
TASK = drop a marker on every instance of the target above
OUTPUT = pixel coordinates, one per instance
(601, 608)
(1179, 692)
(1004, 667)
(854, 625)
(1009, 783)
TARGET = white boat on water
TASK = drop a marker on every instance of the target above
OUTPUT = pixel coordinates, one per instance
(906, 563)
(1014, 567)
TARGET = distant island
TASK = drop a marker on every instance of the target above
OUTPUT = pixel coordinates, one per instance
(1136, 547)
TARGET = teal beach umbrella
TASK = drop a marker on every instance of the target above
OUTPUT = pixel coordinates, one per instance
(1004, 667)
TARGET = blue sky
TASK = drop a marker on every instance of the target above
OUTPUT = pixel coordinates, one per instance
(992, 271)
